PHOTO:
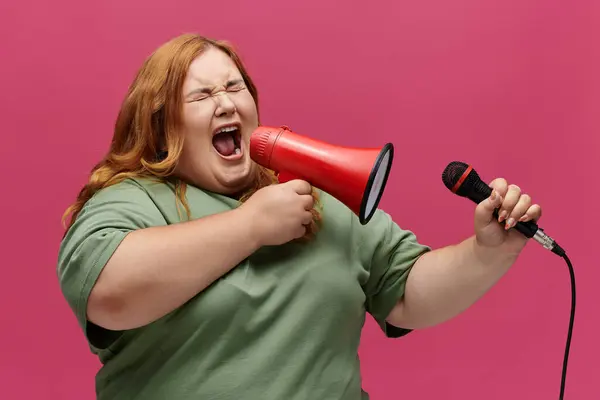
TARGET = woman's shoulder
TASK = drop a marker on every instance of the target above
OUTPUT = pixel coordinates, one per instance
(139, 190)
(148, 194)
(130, 196)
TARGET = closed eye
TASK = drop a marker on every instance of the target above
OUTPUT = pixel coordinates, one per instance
(235, 85)
(199, 97)
(198, 94)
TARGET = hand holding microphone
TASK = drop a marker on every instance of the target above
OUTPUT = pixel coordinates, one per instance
(498, 214)
(511, 207)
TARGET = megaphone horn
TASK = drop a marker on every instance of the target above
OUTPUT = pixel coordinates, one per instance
(355, 176)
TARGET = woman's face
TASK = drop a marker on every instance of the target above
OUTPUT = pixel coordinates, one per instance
(219, 115)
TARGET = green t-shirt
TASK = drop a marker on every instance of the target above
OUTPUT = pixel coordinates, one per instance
(284, 324)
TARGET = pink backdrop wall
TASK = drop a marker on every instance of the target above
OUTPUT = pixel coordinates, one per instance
(511, 86)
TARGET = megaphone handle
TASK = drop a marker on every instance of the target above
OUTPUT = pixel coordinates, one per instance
(284, 176)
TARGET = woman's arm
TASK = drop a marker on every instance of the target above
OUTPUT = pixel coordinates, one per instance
(445, 282)
(157, 269)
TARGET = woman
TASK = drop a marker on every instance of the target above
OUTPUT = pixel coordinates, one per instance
(194, 275)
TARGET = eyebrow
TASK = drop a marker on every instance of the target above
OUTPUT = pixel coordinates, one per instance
(208, 90)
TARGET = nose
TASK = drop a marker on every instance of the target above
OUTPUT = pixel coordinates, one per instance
(225, 106)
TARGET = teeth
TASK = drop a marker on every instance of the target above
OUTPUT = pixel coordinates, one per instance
(227, 129)
(238, 150)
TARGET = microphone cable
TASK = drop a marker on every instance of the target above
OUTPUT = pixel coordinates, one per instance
(563, 379)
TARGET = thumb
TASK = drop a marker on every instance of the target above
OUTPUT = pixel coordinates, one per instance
(300, 186)
(484, 212)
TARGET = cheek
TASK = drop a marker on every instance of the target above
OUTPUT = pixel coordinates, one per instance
(197, 117)
(196, 125)
(247, 108)
(196, 146)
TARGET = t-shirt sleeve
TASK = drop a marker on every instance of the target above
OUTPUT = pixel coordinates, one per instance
(90, 242)
(388, 252)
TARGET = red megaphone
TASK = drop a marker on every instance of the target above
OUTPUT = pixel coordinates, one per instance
(355, 176)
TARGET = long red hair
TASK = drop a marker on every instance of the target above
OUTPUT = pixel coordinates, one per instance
(148, 123)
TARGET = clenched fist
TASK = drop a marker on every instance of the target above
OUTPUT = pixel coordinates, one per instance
(280, 213)
(513, 206)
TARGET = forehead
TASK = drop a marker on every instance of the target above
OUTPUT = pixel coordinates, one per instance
(212, 67)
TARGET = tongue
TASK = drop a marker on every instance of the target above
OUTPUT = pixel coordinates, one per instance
(224, 144)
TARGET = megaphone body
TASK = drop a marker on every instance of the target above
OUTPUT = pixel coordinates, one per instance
(355, 176)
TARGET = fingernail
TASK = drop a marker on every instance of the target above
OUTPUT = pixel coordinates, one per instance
(510, 223)
(502, 216)
(493, 195)
(524, 218)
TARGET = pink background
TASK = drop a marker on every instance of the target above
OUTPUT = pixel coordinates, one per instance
(511, 86)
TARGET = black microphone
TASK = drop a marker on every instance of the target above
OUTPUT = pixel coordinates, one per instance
(464, 181)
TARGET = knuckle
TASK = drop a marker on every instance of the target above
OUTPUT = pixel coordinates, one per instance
(514, 188)
(501, 189)
(499, 183)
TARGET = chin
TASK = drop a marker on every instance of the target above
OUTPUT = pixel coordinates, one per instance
(233, 179)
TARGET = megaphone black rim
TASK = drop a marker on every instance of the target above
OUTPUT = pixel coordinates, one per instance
(387, 149)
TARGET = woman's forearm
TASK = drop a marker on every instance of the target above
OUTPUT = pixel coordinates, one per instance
(445, 282)
(156, 270)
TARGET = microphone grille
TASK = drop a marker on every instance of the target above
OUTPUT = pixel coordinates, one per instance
(464, 181)
(453, 173)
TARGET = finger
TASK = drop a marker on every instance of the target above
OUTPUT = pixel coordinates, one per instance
(533, 213)
(300, 186)
(484, 212)
(301, 231)
(501, 186)
(307, 218)
(518, 211)
(308, 201)
(510, 201)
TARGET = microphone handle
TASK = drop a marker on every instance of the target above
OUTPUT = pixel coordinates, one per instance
(531, 230)
(528, 228)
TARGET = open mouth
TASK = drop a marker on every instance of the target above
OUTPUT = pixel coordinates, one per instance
(227, 141)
